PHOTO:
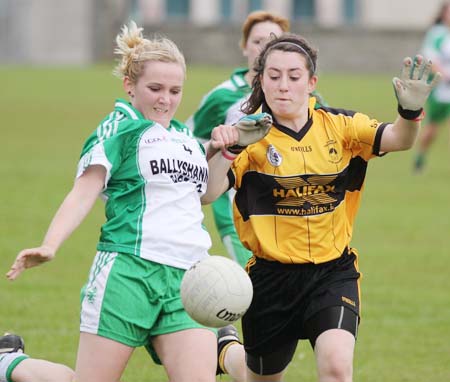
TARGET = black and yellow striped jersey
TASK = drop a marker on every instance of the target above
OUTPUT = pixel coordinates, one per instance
(298, 193)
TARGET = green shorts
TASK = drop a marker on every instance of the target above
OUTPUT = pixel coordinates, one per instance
(129, 300)
(435, 111)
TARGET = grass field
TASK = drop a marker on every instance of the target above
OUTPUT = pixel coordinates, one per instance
(402, 231)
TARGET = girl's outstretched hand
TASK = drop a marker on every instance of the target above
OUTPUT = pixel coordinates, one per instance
(29, 258)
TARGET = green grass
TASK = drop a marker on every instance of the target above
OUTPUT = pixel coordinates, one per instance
(402, 230)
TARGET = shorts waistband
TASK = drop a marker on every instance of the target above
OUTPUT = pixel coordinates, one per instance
(277, 265)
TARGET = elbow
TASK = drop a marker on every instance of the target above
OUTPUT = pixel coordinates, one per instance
(207, 199)
(408, 147)
(213, 191)
(400, 136)
(403, 147)
(209, 196)
(407, 144)
(395, 144)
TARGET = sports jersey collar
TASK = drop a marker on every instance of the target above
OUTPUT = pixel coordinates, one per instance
(131, 112)
(126, 108)
(296, 135)
(238, 78)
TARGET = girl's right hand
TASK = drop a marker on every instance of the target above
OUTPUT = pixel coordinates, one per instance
(29, 258)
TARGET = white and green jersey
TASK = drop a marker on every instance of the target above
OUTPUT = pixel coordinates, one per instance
(436, 47)
(235, 113)
(8, 362)
(215, 105)
(154, 179)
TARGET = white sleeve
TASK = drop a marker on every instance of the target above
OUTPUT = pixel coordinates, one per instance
(95, 156)
(8, 362)
(234, 113)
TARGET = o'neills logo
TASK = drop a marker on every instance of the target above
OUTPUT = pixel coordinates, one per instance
(228, 316)
(273, 156)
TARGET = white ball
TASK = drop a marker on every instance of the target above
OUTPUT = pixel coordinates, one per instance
(216, 291)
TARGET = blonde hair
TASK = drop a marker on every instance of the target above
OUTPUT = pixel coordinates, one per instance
(135, 51)
(257, 17)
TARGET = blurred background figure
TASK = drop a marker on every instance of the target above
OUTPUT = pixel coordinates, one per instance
(436, 47)
(222, 105)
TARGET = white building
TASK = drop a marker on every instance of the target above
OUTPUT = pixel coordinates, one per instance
(83, 31)
(396, 14)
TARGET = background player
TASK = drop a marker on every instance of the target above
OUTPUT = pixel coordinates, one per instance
(436, 46)
(221, 106)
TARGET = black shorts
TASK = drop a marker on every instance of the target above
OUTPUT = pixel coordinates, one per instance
(285, 296)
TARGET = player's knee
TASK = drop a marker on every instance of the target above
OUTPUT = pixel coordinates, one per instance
(336, 371)
(335, 364)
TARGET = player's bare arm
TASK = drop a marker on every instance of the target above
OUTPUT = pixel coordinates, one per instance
(75, 207)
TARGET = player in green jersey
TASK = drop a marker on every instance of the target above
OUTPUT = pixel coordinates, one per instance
(222, 105)
(153, 176)
(297, 193)
(436, 46)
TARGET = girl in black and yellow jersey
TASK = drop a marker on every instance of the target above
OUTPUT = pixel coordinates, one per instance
(298, 190)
